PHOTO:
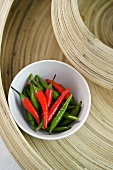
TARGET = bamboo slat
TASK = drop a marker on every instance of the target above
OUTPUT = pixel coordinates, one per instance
(27, 37)
(89, 48)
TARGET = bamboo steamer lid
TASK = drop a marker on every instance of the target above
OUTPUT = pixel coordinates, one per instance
(92, 57)
(27, 36)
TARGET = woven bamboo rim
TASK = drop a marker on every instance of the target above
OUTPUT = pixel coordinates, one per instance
(83, 49)
(28, 37)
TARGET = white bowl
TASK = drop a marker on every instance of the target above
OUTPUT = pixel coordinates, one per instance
(65, 75)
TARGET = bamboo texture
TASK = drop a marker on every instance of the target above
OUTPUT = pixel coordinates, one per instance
(27, 37)
(90, 53)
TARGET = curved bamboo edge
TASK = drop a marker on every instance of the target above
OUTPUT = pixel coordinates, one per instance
(89, 55)
(89, 148)
(17, 141)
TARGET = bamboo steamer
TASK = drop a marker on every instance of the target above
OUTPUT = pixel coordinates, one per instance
(91, 54)
(27, 36)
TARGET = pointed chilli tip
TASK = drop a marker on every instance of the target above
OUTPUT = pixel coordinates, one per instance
(30, 74)
(37, 76)
(40, 126)
(50, 132)
(68, 88)
(31, 77)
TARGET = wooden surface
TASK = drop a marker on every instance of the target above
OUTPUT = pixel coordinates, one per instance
(84, 50)
(28, 37)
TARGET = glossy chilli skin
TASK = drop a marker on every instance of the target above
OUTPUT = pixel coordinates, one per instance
(54, 108)
(59, 115)
(42, 100)
(69, 116)
(58, 87)
(56, 105)
(30, 118)
(49, 93)
(45, 85)
(28, 106)
(55, 114)
(36, 83)
(49, 96)
(74, 112)
(58, 129)
(33, 98)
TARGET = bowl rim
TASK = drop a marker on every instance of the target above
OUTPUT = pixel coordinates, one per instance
(52, 136)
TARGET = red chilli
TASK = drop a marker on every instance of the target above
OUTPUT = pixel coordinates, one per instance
(49, 93)
(28, 106)
(42, 100)
(56, 105)
(59, 88)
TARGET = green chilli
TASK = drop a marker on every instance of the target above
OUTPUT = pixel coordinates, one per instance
(40, 87)
(33, 98)
(69, 116)
(45, 85)
(71, 107)
(58, 129)
(30, 118)
(59, 115)
(75, 112)
(40, 126)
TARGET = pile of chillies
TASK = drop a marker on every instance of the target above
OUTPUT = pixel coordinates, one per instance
(49, 106)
